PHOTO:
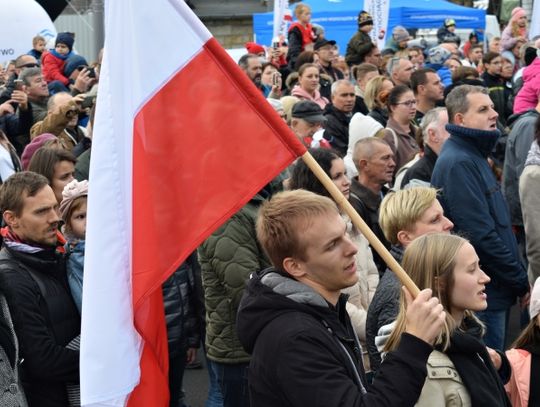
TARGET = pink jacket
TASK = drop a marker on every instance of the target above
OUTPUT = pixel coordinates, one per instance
(517, 387)
(302, 94)
(529, 95)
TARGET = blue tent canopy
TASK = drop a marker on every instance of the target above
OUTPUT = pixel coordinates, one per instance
(338, 17)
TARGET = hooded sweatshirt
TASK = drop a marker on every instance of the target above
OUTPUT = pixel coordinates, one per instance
(305, 353)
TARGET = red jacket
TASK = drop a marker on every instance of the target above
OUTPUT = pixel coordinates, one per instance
(53, 68)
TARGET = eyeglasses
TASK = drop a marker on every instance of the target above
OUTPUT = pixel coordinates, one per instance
(407, 103)
(29, 65)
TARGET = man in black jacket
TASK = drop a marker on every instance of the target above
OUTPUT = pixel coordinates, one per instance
(374, 160)
(338, 115)
(434, 135)
(33, 279)
(293, 321)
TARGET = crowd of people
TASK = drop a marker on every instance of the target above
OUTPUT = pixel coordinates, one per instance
(435, 146)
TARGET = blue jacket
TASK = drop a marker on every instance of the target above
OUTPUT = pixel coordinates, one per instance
(445, 75)
(472, 199)
(75, 270)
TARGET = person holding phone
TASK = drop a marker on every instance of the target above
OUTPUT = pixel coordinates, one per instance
(271, 81)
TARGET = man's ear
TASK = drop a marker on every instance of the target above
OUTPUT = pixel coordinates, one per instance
(293, 267)
(458, 119)
(362, 163)
(404, 238)
(11, 219)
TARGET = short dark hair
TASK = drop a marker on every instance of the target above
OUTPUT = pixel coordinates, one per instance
(490, 56)
(419, 77)
(243, 61)
(16, 186)
(395, 94)
(45, 158)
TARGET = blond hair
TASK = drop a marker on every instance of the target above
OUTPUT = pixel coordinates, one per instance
(282, 220)
(430, 261)
(300, 8)
(373, 89)
(400, 210)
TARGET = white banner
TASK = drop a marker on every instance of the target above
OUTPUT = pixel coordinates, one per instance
(379, 10)
(535, 20)
(280, 24)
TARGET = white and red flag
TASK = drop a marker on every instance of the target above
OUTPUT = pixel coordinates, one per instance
(182, 140)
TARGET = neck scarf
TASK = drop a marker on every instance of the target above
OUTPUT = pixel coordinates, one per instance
(16, 243)
(472, 361)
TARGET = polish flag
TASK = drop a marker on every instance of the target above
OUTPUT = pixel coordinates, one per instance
(182, 140)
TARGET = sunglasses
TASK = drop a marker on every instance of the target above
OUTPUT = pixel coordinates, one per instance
(30, 65)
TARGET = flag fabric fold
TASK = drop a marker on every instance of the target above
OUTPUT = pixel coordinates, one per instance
(182, 140)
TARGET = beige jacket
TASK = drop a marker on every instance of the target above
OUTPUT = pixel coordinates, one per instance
(529, 194)
(443, 385)
(361, 294)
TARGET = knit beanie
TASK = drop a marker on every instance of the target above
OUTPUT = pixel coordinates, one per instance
(72, 63)
(517, 13)
(65, 38)
(400, 33)
(33, 146)
(364, 18)
(438, 55)
(534, 306)
(254, 48)
(72, 191)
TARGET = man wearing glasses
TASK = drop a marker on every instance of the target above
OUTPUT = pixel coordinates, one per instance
(23, 61)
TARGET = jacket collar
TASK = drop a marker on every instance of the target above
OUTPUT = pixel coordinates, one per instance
(482, 140)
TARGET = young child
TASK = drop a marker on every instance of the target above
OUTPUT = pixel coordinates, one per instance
(73, 212)
(301, 35)
(524, 358)
(38, 46)
(360, 44)
(54, 60)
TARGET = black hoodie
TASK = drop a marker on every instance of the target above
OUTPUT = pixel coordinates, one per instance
(304, 351)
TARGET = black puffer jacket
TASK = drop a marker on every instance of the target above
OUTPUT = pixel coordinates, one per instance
(181, 303)
(304, 352)
(44, 324)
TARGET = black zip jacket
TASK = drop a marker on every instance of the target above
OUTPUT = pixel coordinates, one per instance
(304, 351)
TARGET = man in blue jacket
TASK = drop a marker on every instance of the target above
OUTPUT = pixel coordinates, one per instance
(472, 199)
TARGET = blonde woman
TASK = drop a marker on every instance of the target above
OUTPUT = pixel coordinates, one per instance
(461, 370)
(375, 88)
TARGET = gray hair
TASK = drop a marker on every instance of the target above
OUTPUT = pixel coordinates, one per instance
(430, 120)
(28, 73)
(457, 101)
(337, 83)
(364, 149)
(393, 64)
